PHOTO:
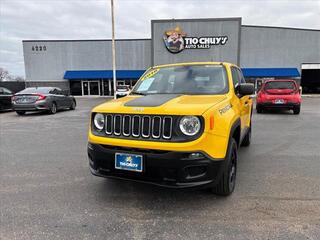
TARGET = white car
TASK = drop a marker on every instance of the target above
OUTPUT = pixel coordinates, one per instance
(122, 91)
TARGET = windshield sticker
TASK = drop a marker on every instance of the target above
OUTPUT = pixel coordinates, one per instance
(144, 86)
(150, 74)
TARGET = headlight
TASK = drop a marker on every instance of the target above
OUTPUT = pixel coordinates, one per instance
(190, 125)
(99, 121)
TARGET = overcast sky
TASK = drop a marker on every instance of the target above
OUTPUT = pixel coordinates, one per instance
(90, 19)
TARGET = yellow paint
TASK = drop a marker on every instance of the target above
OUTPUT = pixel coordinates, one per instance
(213, 141)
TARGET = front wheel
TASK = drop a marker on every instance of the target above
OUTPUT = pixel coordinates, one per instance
(21, 112)
(73, 105)
(227, 181)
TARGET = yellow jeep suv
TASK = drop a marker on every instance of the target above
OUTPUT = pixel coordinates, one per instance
(180, 126)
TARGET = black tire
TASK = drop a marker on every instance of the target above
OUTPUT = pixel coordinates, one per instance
(259, 109)
(296, 110)
(227, 181)
(73, 105)
(53, 108)
(21, 112)
(247, 139)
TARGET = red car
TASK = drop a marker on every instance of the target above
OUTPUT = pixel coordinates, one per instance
(281, 93)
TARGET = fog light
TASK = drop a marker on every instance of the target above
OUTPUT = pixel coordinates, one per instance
(195, 172)
(196, 155)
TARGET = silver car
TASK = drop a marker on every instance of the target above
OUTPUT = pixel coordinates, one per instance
(49, 99)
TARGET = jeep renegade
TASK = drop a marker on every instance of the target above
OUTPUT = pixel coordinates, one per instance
(181, 126)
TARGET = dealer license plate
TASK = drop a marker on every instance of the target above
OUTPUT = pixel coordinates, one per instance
(129, 162)
(279, 101)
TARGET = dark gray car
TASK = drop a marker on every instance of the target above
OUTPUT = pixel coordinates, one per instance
(5, 98)
(42, 98)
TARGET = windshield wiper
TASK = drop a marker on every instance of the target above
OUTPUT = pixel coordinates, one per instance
(138, 93)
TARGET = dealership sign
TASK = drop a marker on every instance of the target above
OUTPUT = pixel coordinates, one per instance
(176, 40)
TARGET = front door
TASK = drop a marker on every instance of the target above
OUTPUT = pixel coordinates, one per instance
(85, 88)
(90, 88)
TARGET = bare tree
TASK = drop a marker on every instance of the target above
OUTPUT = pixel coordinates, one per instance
(4, 74)
(19, 79)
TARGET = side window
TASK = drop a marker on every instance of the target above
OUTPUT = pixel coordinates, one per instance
(53, 91)
(242, 79)
(1, 91)
(59, 91)
(235, 77)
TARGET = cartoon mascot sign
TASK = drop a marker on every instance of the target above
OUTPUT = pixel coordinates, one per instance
(174, 40)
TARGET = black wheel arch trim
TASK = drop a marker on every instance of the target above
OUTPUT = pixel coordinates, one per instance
(235, 125)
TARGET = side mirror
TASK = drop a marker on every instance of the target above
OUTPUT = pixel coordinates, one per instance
(246, 89)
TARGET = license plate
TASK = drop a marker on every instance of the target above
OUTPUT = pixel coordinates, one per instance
(129, 162)
(279, 101)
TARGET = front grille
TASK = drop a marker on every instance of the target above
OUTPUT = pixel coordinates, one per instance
(139, 126)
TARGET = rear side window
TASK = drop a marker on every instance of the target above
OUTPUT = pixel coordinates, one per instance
(280, 85)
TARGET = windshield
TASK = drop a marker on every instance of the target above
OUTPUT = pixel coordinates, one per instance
(280, 85)
(42, 90)
(194, 79)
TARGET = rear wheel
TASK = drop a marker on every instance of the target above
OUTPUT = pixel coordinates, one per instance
(53, 108)
(296, 110)
(227, 181)
(20, 112)
(247, 139)
(259, 109)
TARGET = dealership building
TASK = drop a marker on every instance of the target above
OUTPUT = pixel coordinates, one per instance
(85, 66)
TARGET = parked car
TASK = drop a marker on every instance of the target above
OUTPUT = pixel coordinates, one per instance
(5, 98)
(283, 94)
(49, 99)
(122, 91)
(181, 126)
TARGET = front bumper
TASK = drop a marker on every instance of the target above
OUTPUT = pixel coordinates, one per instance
(163, 168)
(288, 105)
(37, 106)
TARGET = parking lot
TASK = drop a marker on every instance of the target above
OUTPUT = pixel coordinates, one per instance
(47, 191)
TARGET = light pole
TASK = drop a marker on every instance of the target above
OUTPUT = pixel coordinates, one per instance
(113, 53)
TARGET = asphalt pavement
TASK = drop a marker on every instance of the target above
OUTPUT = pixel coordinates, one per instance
(47, 191)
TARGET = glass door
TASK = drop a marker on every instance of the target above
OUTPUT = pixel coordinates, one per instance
(85, 88)
(90, 88)
(94, 88)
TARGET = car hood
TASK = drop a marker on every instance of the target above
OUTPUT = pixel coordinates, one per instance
(171, 104)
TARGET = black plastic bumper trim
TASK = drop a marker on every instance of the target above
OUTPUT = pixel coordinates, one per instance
(162, 168)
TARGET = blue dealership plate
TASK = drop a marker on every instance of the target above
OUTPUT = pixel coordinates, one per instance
(129, 162)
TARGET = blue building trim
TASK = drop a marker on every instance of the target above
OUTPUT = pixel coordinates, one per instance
(102, 74)
(270, 72)
(136, 74)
